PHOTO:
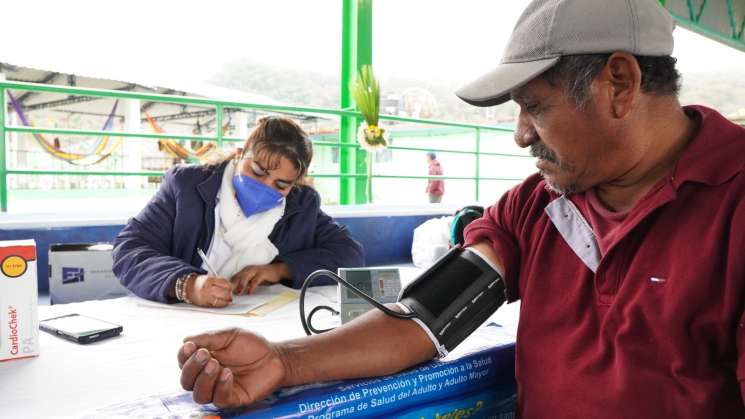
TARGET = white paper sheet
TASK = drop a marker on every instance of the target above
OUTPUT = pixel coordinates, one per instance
(242, 304)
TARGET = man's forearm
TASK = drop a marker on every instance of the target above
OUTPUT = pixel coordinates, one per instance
(372, 345)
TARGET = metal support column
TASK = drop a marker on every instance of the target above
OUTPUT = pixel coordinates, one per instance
(356, 52)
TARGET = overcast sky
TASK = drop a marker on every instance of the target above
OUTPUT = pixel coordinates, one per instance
(158, 40)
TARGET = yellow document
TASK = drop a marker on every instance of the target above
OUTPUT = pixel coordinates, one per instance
(283, 298)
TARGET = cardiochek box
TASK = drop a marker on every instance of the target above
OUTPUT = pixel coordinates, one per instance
(19, 321)
(82, 272)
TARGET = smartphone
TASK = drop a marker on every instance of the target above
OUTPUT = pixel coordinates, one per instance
(79, 328)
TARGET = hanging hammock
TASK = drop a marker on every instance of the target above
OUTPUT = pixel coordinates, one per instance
(98, 153)
(173, 148)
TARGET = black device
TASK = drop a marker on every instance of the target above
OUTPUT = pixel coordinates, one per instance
(455, 296)
(450, 299)
(79, 328)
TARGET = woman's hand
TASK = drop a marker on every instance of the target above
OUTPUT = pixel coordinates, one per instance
(209, 291)
(250, 277)
(230, 367)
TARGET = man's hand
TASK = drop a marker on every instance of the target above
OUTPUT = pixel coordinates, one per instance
(250, 277)
(209, 291)
(234, 367)
(230, 367)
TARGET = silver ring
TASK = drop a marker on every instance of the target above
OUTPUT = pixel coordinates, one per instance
(215, 302)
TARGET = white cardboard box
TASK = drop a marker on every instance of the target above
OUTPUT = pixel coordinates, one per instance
(82, 272)
(19, 321)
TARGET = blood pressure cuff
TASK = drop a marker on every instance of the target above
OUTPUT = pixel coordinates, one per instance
(454, 297)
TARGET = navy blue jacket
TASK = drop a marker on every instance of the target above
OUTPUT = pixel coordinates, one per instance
(160, 244)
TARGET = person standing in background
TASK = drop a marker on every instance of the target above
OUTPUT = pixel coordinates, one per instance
(435, 187)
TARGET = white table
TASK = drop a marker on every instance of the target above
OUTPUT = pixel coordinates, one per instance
(68, 378)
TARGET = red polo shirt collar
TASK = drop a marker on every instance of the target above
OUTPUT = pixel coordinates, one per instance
(715, 154)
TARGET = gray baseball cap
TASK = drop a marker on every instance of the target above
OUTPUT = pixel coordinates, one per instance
(549, 29)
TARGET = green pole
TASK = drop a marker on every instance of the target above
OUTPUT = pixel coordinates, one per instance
(356, 52)
(3, 167)
(478, 162)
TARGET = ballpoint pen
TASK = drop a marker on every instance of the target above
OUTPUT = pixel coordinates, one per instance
(210, 269)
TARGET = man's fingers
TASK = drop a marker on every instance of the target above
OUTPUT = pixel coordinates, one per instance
(204, 385)
(193, 367)
(224, 394)
(215, 340)
(186, 350)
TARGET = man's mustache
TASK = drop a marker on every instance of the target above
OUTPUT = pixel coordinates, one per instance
(540, 151)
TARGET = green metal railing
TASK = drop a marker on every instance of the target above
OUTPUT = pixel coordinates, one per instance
(724, 24)
(345, 141)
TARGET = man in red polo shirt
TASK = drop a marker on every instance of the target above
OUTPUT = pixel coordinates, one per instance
(627, 249)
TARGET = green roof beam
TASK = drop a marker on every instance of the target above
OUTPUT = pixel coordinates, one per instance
(721, 23)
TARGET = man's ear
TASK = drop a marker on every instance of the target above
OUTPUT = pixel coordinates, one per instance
(623, 79)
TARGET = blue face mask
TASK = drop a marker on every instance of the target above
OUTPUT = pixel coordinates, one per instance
(253, 196)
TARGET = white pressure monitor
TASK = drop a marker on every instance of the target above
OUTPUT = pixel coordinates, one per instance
(382, 284)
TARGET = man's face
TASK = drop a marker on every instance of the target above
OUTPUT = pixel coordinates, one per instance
(575, 148)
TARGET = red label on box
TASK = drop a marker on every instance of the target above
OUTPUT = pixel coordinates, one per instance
(28, 253)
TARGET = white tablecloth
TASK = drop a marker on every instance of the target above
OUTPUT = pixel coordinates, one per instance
(68, 378)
